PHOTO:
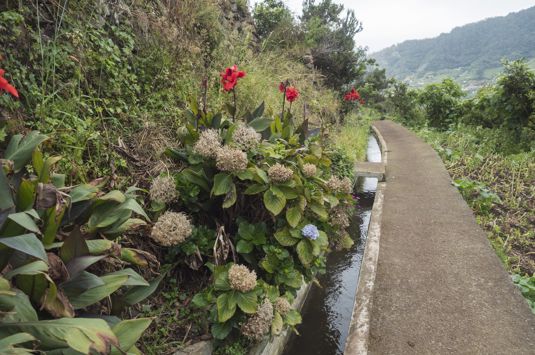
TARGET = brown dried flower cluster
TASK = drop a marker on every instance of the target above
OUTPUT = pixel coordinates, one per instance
(231, 159)
(282, 305)
(209, 144)
(338, 185)
(172, 228)
(309, 170)
(246, 137)
(340, 216)
(258, 325)
(280, 173)
(163, 189)
(241, 279)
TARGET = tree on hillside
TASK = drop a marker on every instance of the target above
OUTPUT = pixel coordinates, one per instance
(442, 103)
(274, 23)
(329, 33)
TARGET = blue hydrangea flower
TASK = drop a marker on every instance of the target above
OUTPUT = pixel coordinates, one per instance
(310, 231)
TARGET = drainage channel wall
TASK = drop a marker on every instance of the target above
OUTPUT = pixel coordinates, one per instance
(359, 330)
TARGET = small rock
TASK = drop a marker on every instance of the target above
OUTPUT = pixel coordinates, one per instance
(200, 348)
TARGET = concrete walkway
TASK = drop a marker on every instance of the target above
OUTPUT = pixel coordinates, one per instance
(439, 287)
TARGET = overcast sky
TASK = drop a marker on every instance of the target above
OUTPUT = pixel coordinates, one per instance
(387, 22)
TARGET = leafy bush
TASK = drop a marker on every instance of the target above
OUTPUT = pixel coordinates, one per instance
(441, 103)
(477, 194)
(52, 238)
(527, 287)
(262, 199)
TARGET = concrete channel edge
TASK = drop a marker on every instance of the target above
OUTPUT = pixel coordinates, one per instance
(359, 330)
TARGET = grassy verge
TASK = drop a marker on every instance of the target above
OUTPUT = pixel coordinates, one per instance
(500, 188)
(351, 138)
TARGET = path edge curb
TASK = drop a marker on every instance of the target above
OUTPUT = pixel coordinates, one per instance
(359, 330)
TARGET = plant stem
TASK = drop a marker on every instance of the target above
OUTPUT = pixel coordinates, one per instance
(235, 106)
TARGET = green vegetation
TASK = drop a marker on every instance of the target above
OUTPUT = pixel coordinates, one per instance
(234, 203)
(470, 54)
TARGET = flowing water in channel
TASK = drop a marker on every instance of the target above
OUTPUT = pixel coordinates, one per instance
(327, 310)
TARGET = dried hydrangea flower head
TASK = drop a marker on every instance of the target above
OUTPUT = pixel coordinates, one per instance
(310, 231)
(258, 325)
(172, 228)
(163, 189)
(282, 305)
(208, 144)
(280, 173)
(338, 185)
(231, 159)
(340, 216)
(309, 170)
(241, 278)
(246, 137)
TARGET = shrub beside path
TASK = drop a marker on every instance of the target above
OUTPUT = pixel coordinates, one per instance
(439, 287)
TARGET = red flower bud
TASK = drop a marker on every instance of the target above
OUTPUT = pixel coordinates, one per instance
(353, 95)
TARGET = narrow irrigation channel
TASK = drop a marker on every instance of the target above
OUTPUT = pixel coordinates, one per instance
(328, 309)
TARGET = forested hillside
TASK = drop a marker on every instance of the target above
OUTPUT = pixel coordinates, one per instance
(470, 54)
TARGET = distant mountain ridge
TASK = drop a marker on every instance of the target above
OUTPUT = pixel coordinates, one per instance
(471, 53)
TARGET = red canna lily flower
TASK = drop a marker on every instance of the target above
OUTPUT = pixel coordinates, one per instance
(282, 87)
(4, 85)
(353, 95)
(291, 94)
(230, 76)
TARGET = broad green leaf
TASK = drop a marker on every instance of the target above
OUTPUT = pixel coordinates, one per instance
(139, 293)
(83, 193)
(44, 173)
(80, 334)
(20, 149)
(262, 175)
(221, 330)
(230, 197)
(260, 124)
(114, 195)
(293, 317)
(54, 216)
(293, 216)
(284, 237)
(74, 246)
(6, 200)
(226, 306)
(132, 205)
(259, 111)
(7, 344)
(82, 282)
(33, 268)
(196, 177)
(222, 184)
(26, 243)
(80, 263)
(129, 224)
(25, 221)
(305, 252)
(255, 189)
(99, 246)
(221, 282)
(111, 284)
(18, 306)
(128, 333)
(247, 301)
(319, 210)
(244, 247)
(134, 279)
(277, 324)
(274, 200)
(25, 195)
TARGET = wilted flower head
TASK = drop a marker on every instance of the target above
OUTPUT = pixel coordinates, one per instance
(338, 185)
(172, 228)
(208, 144)
(309, 170)
(163, 189)
(340, 216)
(280, 173)
(246, 137)
(6, 86)
(230, 76)
(291, 94)
(231, 159)
(310, 231)
(258, 325)
(241, 279)
(282, 305)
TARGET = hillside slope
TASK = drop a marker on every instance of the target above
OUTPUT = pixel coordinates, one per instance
(471, 53)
